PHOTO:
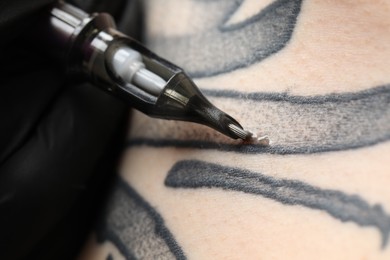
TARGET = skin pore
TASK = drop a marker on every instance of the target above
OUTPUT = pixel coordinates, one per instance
(318, 85)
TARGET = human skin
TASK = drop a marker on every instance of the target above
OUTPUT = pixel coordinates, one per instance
(319, 191)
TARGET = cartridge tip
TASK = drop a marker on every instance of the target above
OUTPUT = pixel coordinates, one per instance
(182, 100)
(224, 123)
(239, 131)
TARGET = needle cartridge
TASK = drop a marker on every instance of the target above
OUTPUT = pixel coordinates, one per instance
(90, 45)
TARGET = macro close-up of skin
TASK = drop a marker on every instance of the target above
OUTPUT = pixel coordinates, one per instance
(313, 76)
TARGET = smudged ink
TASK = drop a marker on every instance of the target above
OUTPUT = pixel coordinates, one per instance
(135, 228)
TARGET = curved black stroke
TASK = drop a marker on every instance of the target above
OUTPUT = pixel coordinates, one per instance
(344, 207)
(304, 124)
(221, 48)
(135, 228)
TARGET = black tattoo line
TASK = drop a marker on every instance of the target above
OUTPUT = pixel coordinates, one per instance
(298, 124)
(198, 174)
(135, 228)
(203, 53)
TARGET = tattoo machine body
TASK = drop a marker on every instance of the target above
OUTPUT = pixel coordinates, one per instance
(89, 45)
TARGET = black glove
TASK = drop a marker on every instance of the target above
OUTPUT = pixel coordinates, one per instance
(58, 145)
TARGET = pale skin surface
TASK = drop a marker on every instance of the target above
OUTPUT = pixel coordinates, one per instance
(336, 46)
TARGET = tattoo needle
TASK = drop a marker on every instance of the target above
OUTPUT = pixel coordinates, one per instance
(88, 44)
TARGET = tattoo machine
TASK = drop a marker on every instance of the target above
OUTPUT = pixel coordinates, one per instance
(89, 45)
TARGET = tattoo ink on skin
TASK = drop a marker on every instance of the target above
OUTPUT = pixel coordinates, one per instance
(295, 124)
(346, 208)
(258, 36)
(135, 228)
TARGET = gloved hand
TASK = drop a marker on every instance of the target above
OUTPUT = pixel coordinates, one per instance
(58, 144)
